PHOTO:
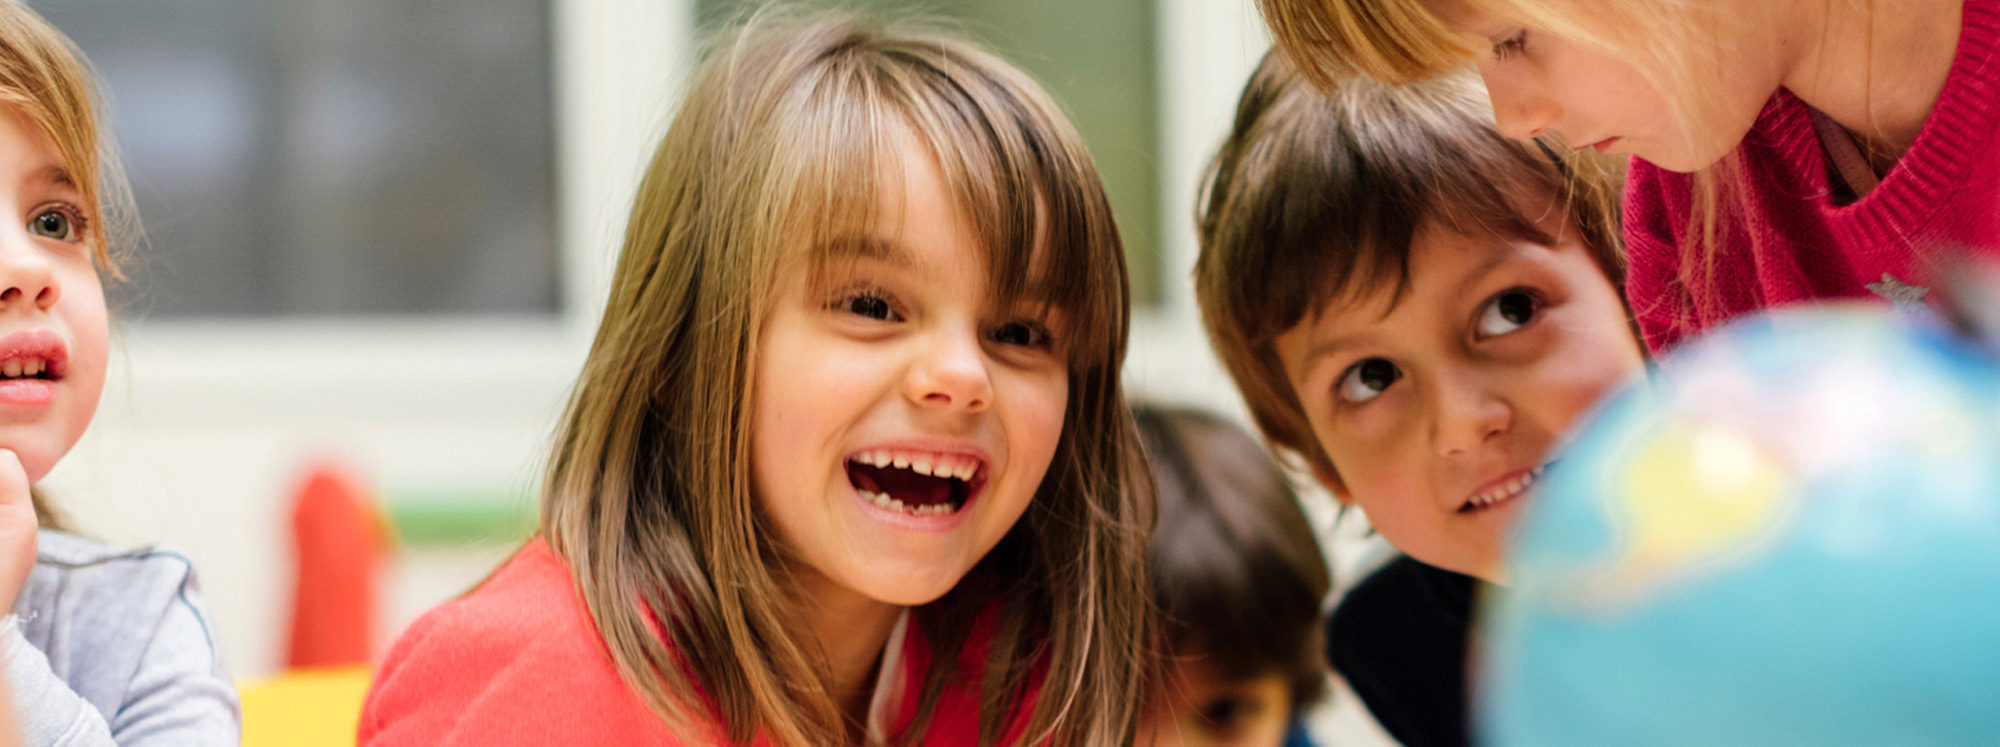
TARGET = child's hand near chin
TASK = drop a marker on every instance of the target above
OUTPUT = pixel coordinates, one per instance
(17, 529)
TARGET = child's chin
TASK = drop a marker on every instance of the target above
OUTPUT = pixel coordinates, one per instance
(909, 589)
(37, 459)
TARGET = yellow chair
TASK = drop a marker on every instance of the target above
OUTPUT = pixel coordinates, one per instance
(305, 708)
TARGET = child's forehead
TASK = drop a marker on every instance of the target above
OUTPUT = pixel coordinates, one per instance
(1444, 273)
(857, 256)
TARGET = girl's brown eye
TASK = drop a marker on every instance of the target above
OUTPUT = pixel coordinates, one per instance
(868, 305)
(1018, 333)
(53, 224)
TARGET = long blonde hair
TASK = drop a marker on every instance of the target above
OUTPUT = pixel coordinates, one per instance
(45, 77)
(773, 156)
(1400, 41)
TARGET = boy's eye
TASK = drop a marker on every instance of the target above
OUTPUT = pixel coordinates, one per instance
(1364, 380)
(1023, 334)
(868, 305)
(1223, 713)
(1507, 312)
(1512, 45)
(53, 223)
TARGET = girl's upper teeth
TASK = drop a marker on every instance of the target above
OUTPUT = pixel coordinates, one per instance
(17, 367)
(935, 464)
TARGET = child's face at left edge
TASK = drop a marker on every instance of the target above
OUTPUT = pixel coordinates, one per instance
(1439, 411)
(53, 326)
(901, 420)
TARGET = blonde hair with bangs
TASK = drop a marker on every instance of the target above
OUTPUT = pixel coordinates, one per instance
(1402, 41)
(46, 78)
(773, 160)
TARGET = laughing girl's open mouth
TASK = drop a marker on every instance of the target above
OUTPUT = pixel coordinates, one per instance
(914, 482)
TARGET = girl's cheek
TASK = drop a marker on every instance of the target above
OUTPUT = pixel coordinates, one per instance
(1050, 407)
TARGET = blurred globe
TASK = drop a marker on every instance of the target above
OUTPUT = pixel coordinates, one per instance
(1789, 535)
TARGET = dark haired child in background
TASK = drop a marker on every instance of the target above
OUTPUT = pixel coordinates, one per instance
(1239, 581)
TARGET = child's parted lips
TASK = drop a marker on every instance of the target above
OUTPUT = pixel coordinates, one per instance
(1501, 490)
(916, 481)
(33, 354)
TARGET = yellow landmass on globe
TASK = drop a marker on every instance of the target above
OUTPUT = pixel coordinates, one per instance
(1694, 497)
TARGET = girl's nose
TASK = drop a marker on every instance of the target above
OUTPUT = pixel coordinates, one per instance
(951, 375)
(26, 275)
(1520, 108)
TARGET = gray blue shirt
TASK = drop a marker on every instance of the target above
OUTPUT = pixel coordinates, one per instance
(109, 646)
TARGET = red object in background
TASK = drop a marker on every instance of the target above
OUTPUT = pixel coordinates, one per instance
(340, 540)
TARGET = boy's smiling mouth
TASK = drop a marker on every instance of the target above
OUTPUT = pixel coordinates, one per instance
(916, 482)
(1501, 491)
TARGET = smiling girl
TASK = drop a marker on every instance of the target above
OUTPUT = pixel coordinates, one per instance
(848, 461)
(99, 645)
(1786, 150)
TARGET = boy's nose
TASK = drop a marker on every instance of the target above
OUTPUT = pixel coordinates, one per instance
(951, 374)
(1468, 417)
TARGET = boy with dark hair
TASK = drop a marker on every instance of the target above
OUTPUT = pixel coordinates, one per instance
(1416, 307)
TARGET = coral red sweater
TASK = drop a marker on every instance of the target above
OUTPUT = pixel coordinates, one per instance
(519, 662)
(1787, 241)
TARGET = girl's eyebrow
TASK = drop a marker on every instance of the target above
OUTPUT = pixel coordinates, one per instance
(55, 175)
(871, 247)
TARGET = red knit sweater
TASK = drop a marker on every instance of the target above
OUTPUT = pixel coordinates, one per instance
(1786, 241)
(519, 662)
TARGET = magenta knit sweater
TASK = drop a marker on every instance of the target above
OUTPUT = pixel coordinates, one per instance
(1784, 240)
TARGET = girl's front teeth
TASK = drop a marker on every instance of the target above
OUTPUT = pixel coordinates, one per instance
(954, 466)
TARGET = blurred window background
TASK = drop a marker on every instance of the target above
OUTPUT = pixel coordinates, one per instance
(1106, 81)
(304, 157)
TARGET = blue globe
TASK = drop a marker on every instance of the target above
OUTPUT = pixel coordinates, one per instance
(1790, 534)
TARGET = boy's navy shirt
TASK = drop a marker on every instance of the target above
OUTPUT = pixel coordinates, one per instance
(1399, 638)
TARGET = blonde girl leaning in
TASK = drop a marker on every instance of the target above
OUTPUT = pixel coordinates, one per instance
(848, 461)
(1785, 150)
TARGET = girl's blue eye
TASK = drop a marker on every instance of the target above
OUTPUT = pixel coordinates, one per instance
(1507, 312)
(1019, 333)
(53, 223)
(868, 305)
(1511, 45)
(1362, 381)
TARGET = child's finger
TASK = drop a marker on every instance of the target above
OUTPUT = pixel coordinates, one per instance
(13, 484)
(17, 528)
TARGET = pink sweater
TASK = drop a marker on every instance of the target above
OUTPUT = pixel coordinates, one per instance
(1786, 241)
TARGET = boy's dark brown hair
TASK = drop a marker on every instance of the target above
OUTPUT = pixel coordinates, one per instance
(1237, 575)
(1315, 196)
